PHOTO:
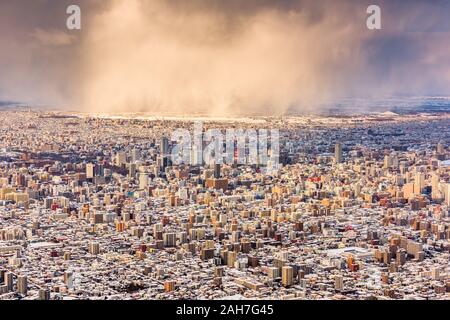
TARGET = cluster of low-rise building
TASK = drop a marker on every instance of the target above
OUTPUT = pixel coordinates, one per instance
(92, 208)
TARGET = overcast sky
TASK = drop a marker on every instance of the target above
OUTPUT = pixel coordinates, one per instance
(220, 56)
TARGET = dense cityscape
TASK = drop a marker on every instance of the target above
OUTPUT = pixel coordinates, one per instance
(91, 207)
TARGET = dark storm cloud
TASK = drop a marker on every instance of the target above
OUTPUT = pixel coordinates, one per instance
(39, 56)
(231, 54)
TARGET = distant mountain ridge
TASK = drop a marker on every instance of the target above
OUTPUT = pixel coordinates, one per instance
(7, 103)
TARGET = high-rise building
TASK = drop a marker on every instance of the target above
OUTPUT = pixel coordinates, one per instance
(68, 279)
(44, 294)
(394, 161)
(207, 253)
(143, 180)
(162, 163)
(196, 156)
(218, 272)
(273, 272)
(435, 186)
(120, 159)
(22, 284)
(169, 286)
(132, 171)
(287, 276)
(235, 236)
(170, 239)
(401, 257)
(97, 217)
(164, 146)
(9, 280)
(338, 157)
(94, 248)
(339, 283)
(217, 171)
(231, 258)
(408, 190)
(67, 255)
(135, 155)
(419, 183)
(387, 161)
(90, 171)
(435, 275)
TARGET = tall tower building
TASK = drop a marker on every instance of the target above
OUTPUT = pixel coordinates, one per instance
(419, 182)
(435, 186)
(287, 276)
(135, 155)
(196, 156)
(132, 171)
(169, 286)
(143, 180)
(217, 173)
(89, 171)
(9, 281)
(169, 239)
(44, 294)
(94, 248)
(338, 153)
(231, 258)
(120, 159)
(22, 284)
(164, 146)
(394, 161)
(68, 279)
(387, 161)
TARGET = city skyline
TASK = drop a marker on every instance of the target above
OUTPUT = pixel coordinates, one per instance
(218, 157)
(358, 209)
